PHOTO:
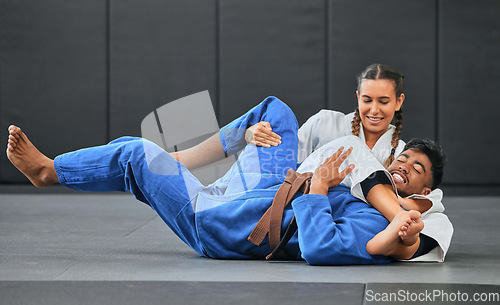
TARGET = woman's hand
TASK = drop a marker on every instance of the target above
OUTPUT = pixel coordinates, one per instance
(327, 175)
(261, 134)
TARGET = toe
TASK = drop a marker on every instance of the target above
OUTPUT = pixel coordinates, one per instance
(14, 129)
(415, 214)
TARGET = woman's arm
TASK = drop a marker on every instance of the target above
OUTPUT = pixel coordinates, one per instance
(421, 205)
(383, 198)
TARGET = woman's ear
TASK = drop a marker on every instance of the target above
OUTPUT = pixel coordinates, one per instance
(399, 101)
(357, 94)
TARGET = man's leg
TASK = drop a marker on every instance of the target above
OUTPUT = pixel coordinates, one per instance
(271, 110)
(38, 168)
(161, 182)
(256, 166)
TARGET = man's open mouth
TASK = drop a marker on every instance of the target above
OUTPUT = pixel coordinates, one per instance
(398, 177)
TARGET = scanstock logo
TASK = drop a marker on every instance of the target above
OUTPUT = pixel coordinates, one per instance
(184, 123)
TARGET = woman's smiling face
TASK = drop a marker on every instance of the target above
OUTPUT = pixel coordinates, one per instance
(377, 103)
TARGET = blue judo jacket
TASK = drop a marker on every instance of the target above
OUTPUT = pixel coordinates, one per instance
(332, 230)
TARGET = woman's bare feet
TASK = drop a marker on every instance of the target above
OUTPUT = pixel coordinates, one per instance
(409, 233)
(29, 160)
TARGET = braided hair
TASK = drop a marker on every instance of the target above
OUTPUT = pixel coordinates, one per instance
(381, 71)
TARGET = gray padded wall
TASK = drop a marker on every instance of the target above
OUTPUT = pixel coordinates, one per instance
(160, 51)
(469, 80)
(394, 32)
(53, 75)
(271, 48)
(77, 74)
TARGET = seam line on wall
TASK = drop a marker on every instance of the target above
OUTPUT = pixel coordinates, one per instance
(327, 58)
(108, 70)
(436, 74)
(217, 94)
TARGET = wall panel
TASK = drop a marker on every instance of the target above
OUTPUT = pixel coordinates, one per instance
(271, 48)
(394, 32)
(53, 75)
(469, 79)
(160, 51)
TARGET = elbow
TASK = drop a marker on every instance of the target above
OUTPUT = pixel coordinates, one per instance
(337, 253)
(314, 260)
(321, 256)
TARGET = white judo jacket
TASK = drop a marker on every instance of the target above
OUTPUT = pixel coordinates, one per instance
(328, 125)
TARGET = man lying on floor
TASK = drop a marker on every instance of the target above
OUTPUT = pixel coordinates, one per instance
(412, 180)
(334, 227)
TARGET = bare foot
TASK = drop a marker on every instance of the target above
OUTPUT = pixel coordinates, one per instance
(387, 241)
(409, 234)
(29, 160)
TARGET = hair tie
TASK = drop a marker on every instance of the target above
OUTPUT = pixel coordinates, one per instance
(393, 151)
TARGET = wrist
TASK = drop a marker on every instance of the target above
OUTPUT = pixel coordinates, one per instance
(318, 188)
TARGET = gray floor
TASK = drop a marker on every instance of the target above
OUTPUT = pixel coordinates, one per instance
(49, 241)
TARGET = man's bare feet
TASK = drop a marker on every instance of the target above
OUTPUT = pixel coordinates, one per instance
(29, 160)
(409, 234)
(387, 241)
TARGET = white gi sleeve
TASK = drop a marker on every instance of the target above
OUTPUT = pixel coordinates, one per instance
(321, 128)
(436, 225)
(365, 162)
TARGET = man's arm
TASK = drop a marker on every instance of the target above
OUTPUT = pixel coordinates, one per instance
(327, 175)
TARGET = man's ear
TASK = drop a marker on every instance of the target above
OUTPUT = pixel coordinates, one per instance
(399, 101)
(426, 191)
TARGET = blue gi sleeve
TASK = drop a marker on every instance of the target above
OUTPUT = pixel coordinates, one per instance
(339, 238)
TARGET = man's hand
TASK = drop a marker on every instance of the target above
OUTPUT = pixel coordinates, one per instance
(261, 134)
(327, 175)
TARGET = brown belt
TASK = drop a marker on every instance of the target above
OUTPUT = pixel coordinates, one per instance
(270, 222)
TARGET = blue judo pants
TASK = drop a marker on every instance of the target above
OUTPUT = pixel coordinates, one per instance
(155, 178)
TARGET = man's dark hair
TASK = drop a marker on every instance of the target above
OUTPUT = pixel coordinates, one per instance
(435, 154)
